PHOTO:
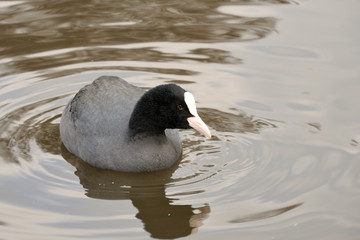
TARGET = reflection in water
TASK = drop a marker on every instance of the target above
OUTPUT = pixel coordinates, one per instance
(161, 218)
(233, 170)
(79, 31)
(147, 191)
(251, 172)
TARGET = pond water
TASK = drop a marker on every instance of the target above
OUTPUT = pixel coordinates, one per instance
(277, 81)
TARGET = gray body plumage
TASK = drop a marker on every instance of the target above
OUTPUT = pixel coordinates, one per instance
(95, 127)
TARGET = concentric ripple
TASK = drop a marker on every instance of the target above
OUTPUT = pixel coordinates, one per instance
(50, 181)
(248, 180)
(283, 162)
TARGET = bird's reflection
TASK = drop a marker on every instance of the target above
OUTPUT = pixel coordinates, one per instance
(161, 217)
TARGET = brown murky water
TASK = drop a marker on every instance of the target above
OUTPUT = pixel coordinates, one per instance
(277, 81)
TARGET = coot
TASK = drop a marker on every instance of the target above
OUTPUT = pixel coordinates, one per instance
(114, 125)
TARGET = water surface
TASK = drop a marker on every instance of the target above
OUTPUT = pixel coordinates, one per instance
(277, 82)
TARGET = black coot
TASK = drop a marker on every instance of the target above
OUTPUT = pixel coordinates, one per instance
(112, 124)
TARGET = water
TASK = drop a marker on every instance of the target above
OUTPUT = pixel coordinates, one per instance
(277, 81)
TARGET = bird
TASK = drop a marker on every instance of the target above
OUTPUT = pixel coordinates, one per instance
(112, 124)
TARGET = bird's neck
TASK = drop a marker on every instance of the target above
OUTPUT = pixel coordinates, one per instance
(142, 122)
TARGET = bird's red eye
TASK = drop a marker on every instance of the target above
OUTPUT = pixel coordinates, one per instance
(180, 107)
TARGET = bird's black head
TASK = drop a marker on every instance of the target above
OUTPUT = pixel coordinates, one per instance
(165, 106)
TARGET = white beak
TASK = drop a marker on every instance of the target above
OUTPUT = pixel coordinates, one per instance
(195, 122)
(198, 124)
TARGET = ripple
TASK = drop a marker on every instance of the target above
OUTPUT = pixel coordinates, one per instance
(33, 164)
(259, 179)
(265, 173)
(266, 214)
(238, 177)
